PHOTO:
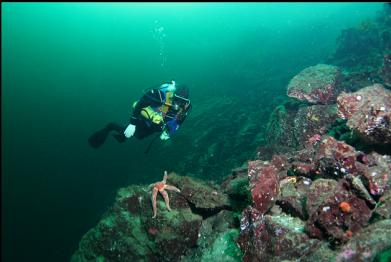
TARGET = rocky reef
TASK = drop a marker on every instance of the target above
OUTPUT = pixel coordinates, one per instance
(199, 225)
(330, 198)
(327, 201)
(328, 193)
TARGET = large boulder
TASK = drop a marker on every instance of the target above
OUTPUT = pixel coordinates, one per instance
(263, 183)
(292, 126)
(127, 231)
(205, 197)
(236, 184)
(383, 209)
(371, 244)
(319, 84)
(273, 238)
(378, 173)
(335, 158)
(319, 191)
(217, 238)
(335, 212)
(293, 195)
(280, 131)
(237, 187)
(313, 120)
(368, 112)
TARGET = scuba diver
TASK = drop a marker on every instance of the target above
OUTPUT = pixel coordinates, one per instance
(159, 110)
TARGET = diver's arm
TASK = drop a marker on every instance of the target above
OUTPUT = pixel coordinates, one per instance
(146, 113)
(152, 115)
(137, 106)
(149, 99)
(131, 128)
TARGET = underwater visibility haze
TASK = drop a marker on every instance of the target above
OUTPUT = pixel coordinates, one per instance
(68, 69)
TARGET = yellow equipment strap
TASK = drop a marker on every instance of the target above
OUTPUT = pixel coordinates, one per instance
(167, 103)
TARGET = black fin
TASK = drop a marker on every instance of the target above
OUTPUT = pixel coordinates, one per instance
(97, 139)
(120, 137)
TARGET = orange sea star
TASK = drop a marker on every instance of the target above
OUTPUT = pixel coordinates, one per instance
(161, 187)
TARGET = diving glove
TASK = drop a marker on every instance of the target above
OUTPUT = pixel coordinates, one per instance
(164, 136)
(129, 131)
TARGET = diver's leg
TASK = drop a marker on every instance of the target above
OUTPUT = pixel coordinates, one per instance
(97, 139)
(115, 127)
(120, 137)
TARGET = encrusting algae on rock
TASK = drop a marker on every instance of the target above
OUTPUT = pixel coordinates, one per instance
(127, 231)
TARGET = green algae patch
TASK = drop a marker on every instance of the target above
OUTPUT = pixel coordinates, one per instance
(225, 246)
(293, 223)
(384, 256)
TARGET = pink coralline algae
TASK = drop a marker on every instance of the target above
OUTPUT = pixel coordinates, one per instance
(368, 112)
(374, 168)
(378, 173)
(332, 188)
(319, 84)
(314, 139)
(265, 238)
(343, 156)
(328, 219)
(364, 246)
(264, 184)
